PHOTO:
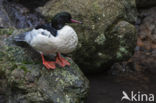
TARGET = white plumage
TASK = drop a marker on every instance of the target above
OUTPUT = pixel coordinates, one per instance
(55, 37)
(44, 42)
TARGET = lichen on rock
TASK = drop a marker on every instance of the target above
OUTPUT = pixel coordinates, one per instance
(27, 80)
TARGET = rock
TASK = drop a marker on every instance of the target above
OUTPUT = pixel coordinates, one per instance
(107, 34)
(15, 15)
(125, 33)
(147, 27)
(25, 80)
(20, 16)
(145, 3)
(4, 18)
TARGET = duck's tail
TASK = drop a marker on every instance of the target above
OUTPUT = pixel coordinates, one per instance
(20, 37)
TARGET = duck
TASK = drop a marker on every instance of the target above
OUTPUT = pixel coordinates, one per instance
(55, 38)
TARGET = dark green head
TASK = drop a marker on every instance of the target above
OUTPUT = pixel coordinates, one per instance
(60, 19)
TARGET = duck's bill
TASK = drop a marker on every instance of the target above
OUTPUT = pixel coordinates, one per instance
(75, 21)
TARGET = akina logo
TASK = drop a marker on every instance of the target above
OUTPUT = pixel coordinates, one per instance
(138, 96)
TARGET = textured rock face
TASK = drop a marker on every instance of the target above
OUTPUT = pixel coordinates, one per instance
(145, 3)
(23, 78)
(107, 34)
(13, 14)
(4, 19)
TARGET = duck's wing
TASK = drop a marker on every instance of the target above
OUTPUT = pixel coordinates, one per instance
(49, 28)
(30, 35)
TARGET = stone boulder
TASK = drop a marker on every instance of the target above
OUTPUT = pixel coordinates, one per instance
(4, 18)
(14, 14)
(107, 34)
(23, 78)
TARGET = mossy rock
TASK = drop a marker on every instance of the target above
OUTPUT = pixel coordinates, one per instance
(28, 81)
(6, 31)
(104, 21)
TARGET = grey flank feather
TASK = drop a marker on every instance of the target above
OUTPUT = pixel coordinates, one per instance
(26, 37)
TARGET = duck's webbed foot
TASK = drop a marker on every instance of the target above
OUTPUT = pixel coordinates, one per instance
(61, 61)
(48, 64)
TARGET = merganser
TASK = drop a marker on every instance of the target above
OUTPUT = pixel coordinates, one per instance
(54, 38)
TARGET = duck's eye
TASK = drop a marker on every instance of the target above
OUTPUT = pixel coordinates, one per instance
(43, 33)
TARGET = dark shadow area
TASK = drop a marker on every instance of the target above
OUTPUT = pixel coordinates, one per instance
(108, 89)
(142, 4)
(31, 4)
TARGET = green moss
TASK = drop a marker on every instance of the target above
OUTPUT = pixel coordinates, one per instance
(2, 54)
(119, 55)
(123, 50)
(7, 31)
(23, 67)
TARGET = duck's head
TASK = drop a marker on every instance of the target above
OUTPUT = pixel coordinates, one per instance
(60, 19)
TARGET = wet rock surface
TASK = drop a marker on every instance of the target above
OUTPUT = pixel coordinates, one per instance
(23, 78)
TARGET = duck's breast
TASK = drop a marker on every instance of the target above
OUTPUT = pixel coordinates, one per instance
(68, 39)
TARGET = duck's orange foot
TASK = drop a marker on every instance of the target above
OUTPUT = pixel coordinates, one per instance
(48, 64)
(61, 61)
